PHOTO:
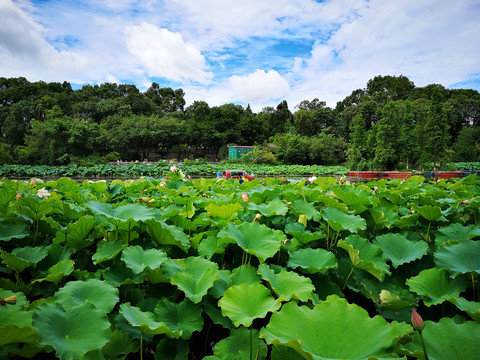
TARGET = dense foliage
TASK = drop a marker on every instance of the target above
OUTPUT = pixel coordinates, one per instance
(389, 124)
(130, 170)
(214, 269)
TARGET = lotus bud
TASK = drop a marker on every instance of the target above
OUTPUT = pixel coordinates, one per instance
(9, 300)
(244, 197)
(18, 196)
(32, 181)
(417, 321)
(150, 201)
(257, 217)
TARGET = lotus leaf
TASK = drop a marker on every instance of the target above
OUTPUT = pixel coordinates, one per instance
(381, 218)
(16, 326)
(146, 322)
(462, 258)
(407, 221)
(108, 250)
(74, 332)
(281, 352)
(287, 284)
(339, 221)
(454, 233)
(436, 286)
(333, 329)
(119, 346)
(120, 274)
(354, 198)
(165, 234)
(100, 294)
(76, 233)
(399, 250)
(33, 207)
(365, 256)
(184, 316)
(196, 277)
(245, 302)
(390, 301)
(447, 340)
(304, 207)
(272, 208)
(58, 271)
(122, 214)
(237, 346)
(254, 238)
(9, 231)
(243, 274)
(299, 232)
(312, 261)
(224, 211)
(431, 213)
(139, 259)
(172, 349)
(472, 308)
(21, 258)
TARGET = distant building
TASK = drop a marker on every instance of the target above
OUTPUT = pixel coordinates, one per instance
(236, 152)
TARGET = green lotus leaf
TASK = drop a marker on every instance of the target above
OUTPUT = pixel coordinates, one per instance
(390, 301)
(209, 247)
(74, 332)
(21, 258)
(456, 232)
(447, 340)
(9, 231)
(281, 352)
(6, 197)
(254, 238)
(76, 233)
(378, 219)
(365, 256)
(184, 316)
(100, 294)
(196, 277)
(122, 214)
(33, 207)
(461, 258)
(299, 232)
(119, 274)
(339, 221)
(407, 221)
(431, 213)
(146, 322)
(354, 198)
(272, 208)
(243, 274)
(399, 250)
(138, 259)
(287, 284)
(58, 271)
(165, 234)
(333, 329)
(312, 261)
(330, 202)
(172, 349)
(304, 207)
(436, 286)
(16, 325)
(108, 250)
(245, 302)
(237, 346)
(472, 308)
(119, 346)
(224, 211)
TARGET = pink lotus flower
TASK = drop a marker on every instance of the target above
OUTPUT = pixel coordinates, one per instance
(417, 321)
(18, 196)
(173, 168)
(245, 197)
(32, 182)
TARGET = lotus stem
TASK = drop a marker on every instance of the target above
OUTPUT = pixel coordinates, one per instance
(251, 342)
(423, 345)
(348, 277)
(141, 347)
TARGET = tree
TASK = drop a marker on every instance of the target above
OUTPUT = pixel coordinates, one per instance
(436, 129)
(467, 146)
(357, 146)
(408, 139)
(386, 146)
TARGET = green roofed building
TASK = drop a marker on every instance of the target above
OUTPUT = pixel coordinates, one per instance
(236, 152)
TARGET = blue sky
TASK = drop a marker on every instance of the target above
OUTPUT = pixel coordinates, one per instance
(255, 52)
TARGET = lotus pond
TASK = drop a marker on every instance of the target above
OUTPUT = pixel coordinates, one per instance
(270, 269)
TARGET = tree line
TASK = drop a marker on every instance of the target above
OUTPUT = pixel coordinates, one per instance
(389, 124)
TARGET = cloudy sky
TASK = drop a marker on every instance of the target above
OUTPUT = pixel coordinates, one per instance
(256, 52)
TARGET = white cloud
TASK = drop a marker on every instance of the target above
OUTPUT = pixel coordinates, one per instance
(165, 54)
(24, 51)
(259, 86)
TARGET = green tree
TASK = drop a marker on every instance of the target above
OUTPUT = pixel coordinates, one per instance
(387, 132)
(408, 140)
(357, 146)
(436, 130)
(327, 149)
(467, 146)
